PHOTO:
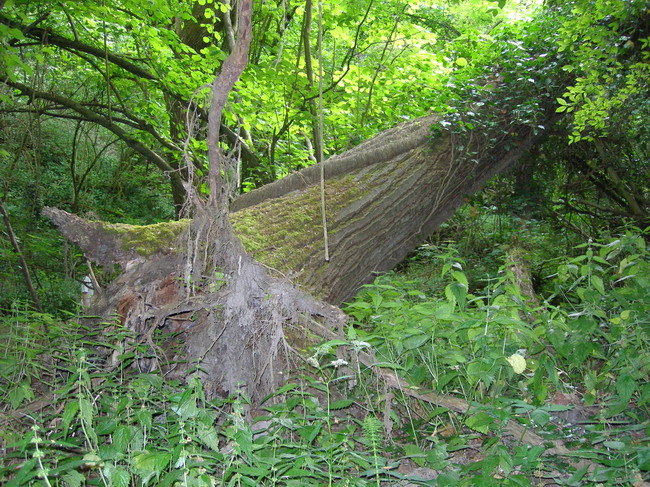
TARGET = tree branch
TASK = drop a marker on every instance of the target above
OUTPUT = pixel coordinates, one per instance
(224, 82)
(38, 34)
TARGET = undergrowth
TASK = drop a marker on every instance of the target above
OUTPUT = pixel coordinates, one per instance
(570, 364)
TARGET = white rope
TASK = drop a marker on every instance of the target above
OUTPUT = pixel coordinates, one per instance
(320, 127)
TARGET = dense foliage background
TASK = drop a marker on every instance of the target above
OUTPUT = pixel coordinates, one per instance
(102, 109)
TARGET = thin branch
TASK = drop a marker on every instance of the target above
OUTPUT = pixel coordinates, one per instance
(21, 258)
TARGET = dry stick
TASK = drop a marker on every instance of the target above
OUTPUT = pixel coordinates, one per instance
(320, 128)
(93, 278)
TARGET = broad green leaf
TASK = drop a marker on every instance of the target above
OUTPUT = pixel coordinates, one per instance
(149, 464)
(626, 386)
(480, 422)
(310, 432)
(540, 416)
(208, 436)
(118, 477)
(597, 282)
(85, 411)
(144, 417)
(415, 341)
(72, 478)
(460, 277)
(19, 394)
(187, 408)
(121, 438)
(415, 453)
(517, 362)
(614, 445)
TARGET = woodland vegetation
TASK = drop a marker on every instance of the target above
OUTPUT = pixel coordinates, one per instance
(365, 242)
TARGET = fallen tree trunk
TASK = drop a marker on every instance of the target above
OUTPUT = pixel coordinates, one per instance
(382, 199)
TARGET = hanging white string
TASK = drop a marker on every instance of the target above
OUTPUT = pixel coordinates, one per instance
(320, 127)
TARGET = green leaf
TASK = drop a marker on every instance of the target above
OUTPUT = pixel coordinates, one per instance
(24, 475)
(415, 453)
(149, 464)
(625, 386)
(614, 445)
(85, 411)
(73, 478)
(461, 61)
(597, 283)
(415, 341)
(187, 408)
(540, 417)
(208, 436)
(252, 471)
(144, 417)
(643, 459)
(388, 365)
(19, 394)
(480, 422)
(310, 432)
(334, 343)
(341, 404)
(121, 438)
(243, 441)
(460, 277)
(119, 477)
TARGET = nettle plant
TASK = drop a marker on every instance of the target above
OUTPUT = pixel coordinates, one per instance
(74, 419)
(458, 344)
(512, 357)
